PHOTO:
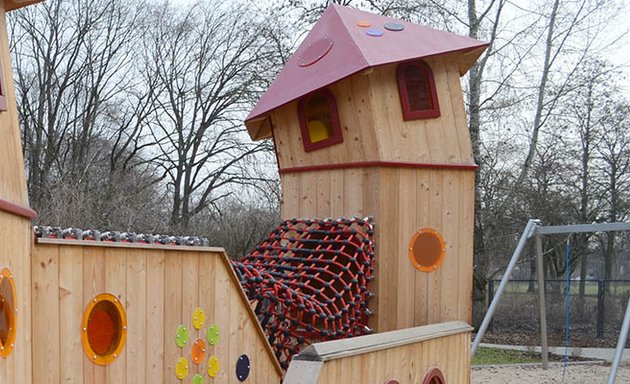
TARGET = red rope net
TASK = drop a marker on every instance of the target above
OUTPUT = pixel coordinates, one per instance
(309, 282)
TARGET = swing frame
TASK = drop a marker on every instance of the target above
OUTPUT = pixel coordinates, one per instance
(535, 229)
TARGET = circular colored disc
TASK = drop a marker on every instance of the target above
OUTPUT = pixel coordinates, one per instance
(374, 32)
(181, 336)
(198, 379)
(213, 334)
(198, 352)
(213, 366)
(364, 24)
(315, 51)
(427, 250)
(181, 368)
(394, 27)
(242, 367)
(199, 318)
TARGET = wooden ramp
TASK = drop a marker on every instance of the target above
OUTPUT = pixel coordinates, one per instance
(438, 353)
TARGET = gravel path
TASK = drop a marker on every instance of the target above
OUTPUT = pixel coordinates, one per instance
(576, 374)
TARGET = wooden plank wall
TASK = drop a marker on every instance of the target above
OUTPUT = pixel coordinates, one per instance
(160, 289)
(354, 103)
(373, 127)
(401, 202)
(15, 238)
(407, 364)
(12, 180)
(442, 140)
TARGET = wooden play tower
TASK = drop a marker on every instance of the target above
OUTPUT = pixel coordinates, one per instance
(368, 119)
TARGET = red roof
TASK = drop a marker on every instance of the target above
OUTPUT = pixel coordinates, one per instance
(341, 44)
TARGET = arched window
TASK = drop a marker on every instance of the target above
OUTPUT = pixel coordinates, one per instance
(416, 87)
(319, 120)
(434, 376)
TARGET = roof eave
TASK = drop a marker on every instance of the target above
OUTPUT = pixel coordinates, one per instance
(10, 5)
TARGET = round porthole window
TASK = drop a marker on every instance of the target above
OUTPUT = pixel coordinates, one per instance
(8, 312)
(104, 329)
(427, 250)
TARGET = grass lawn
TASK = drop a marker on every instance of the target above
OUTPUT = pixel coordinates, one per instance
(495, 356)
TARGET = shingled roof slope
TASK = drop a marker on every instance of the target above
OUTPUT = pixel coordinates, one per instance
(339, 45)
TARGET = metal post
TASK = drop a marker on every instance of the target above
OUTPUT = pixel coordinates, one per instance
(621, 342)
(527, 233)
(541, 300)
(601, 289)
(490, 299)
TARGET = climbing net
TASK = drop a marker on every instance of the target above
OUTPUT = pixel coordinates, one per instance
(308, 281)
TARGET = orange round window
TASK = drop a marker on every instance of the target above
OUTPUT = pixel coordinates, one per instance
(427, 250)
(104, 329)
(8, 312)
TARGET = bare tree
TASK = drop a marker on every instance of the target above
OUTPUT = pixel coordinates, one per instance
(614, 164)
(74, 91)
(208, 62)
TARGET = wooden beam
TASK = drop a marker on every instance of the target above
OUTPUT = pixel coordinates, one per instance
(337, 349)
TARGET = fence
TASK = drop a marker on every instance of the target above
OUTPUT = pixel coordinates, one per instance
(595, 316)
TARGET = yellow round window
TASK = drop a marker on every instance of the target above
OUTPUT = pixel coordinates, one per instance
(427, 250)
(8, 312)
(104, 329)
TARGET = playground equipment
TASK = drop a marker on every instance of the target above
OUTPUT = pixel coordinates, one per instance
(535, 229)
(369, 126)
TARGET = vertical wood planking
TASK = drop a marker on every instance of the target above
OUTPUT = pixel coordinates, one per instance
(116, 284)
(93, 284)
(308, 195)
(448, 148)
(387, 243)
(353, 192)
(222, 319)
(172, 313)
(323, 195)
(423, 195)
(45, 275)
(136, 300)
(336, 193)
(290, 204)
(190, 301)
(459, 112)
(466, 221)
(407, 208)
(435, 221)
(154, 335)
(71, 306)
(449, 270)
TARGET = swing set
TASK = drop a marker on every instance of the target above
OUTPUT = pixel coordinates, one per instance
(535, 229)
